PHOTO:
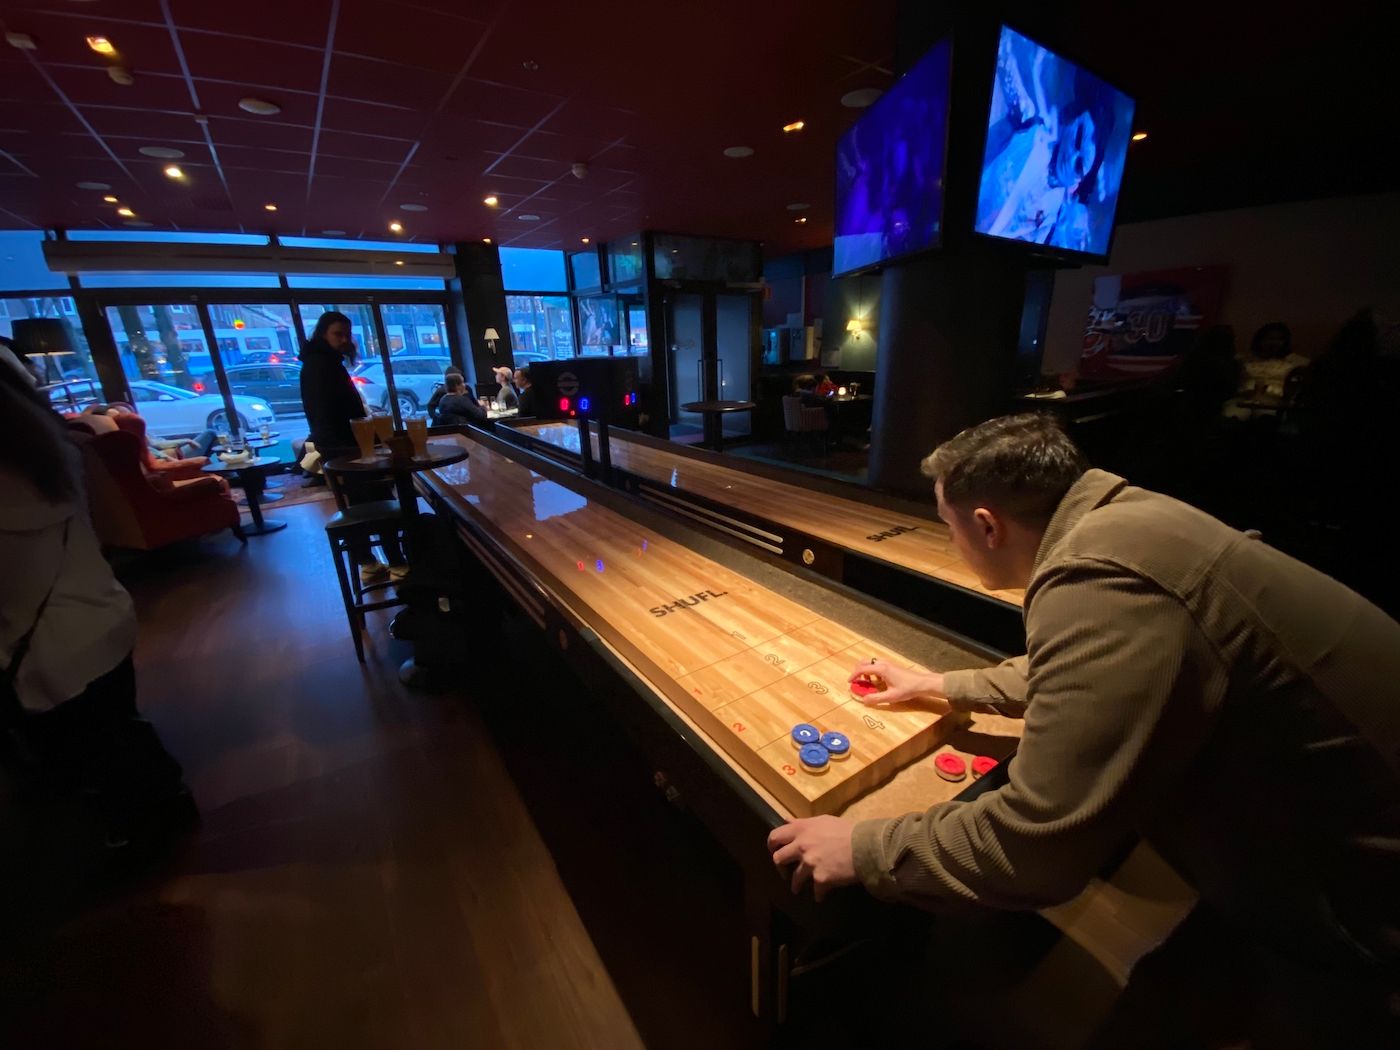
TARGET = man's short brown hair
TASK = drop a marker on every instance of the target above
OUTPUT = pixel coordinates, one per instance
(455, 382)
(1021, 465)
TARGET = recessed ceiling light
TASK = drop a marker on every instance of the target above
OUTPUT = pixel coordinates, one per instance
(137, 222)
(486, 240)
(860, 97)
(101, 45)
(528, 217)
(798, 206)
(396, 226)
(584, 239)
(110, 199)
(173, 171)
(120, 75)
(634, 244)
(23, 41)
(796, 125)
(1138, 136)
(490, 201)
(739, 151)
(269, 206)
(94, 186)
(260, 106)
(413, 207)
(161, 152)
(398, 262)
(126, 213)
(334, 233)
(801, 220)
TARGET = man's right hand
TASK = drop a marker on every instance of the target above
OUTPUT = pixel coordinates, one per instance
(901, 683)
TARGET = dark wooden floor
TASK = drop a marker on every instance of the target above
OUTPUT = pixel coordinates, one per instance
(366, 874)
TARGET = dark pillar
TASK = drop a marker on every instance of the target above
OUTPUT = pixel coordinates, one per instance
(947, 356)
(479, 289)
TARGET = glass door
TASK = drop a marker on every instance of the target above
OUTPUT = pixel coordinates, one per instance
(685, 330)
(734, 351)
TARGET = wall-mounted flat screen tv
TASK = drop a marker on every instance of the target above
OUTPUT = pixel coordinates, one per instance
(889, 169)
(1057, 141)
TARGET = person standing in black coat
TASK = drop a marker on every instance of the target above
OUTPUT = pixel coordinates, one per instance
(329, 397)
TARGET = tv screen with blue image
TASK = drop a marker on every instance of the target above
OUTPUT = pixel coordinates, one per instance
(889, 169)
(1057, 141)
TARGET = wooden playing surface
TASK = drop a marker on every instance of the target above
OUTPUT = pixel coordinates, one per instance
(745, 663)
(925, 546)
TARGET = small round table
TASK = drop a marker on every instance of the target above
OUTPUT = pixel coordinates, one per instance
(257, 444)
(714, 411)
(249, 477)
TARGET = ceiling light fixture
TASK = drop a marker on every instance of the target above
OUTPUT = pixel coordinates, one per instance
(584, 239)
(333, 233)
(137, 222)
(1138, 136)
(23, 41)
(736, 152)
(120, 75)
(860, 97)
(126, 213)
(528, 217)
(796, 125)
(801, 220)
(798, 206)
(491, 201)
(110, 199)
(259, 106)
(396, 227)
(486, 240)
(173, 171)
(398, 262)
(161, 152)
(101, 45)
(94, 186)
(413, 207)
(269, 206)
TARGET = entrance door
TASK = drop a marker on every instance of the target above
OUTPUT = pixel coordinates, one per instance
(710, 336)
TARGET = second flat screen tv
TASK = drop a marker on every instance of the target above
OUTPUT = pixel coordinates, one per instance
(1057, 141)
(889, 169)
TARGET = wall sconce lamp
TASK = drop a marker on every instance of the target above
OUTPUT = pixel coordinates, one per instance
(855, 326)
(491, 336)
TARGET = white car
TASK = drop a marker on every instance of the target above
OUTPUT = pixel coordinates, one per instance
(170, 411)
(415, 376)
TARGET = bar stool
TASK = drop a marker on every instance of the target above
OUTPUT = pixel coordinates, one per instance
(367, 522)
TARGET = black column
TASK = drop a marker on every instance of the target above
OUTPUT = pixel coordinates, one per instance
(480, 291)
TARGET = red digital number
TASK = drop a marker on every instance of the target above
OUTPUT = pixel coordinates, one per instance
(789, 770)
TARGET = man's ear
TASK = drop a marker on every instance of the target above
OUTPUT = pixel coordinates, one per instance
(989, 529)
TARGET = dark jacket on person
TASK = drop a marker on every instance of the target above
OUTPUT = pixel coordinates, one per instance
(329, 397)
(440, 392)
(527, 401)
(459, 409)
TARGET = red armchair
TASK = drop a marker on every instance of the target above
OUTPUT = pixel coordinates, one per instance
(141, 510)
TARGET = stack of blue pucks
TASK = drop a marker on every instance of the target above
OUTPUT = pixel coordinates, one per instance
(816, 750)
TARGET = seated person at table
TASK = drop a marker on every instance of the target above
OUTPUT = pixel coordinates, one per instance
(1185, 683)
(457, 406)
(440, 391)
(825, 387)
(508, 396)
(527, 392)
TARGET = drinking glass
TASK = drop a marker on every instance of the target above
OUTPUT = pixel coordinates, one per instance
(364, 436)
(418, 434)
(266, 432)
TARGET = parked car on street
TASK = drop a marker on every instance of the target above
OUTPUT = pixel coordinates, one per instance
(172, 412)
(277, 384)
(415, 376)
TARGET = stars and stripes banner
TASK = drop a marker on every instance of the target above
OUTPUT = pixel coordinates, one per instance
(1140, 325)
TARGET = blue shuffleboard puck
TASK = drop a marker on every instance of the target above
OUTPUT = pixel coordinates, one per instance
(814, 758)
(838, 745)
(803, 734)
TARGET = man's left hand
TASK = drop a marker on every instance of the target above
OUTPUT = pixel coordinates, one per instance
(820, 847)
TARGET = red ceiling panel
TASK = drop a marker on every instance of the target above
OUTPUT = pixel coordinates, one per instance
(18, 120)
(157, 127)
(221, 57)
(407, 34)
(506, 105)
(370, 147)
(413, 88)
(301, 22)
(258, 133)
(91, 86)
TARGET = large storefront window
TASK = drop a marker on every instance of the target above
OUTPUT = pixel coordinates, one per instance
(541, 328)
(418, 354)
(170, 372)
(258, 347)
